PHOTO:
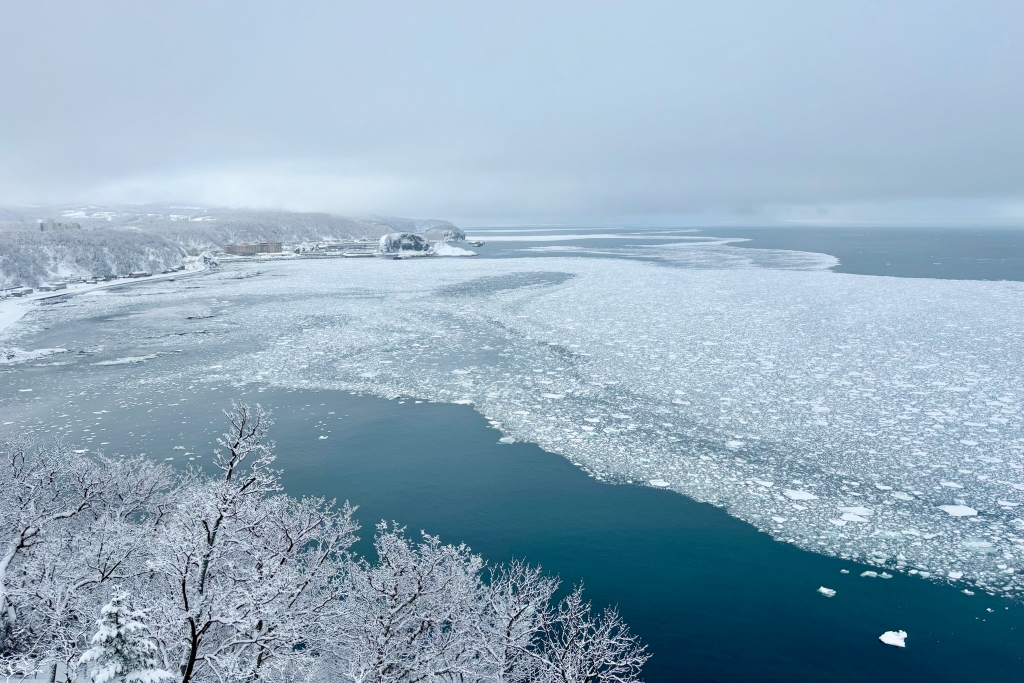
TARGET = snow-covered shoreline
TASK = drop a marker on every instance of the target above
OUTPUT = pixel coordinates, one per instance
(14, 309)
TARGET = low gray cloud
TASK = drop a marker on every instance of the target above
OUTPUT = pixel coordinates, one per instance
(707, 112)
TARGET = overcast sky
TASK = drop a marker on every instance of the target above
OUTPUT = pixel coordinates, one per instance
(533, 112)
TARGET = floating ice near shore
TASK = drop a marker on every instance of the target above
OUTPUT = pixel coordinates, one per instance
(709, 370)
(13, 356)
(894, 638)
(128, 360)
(442, 248)
(827, 592)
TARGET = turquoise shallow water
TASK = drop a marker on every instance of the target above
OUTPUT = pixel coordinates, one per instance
(714, 599)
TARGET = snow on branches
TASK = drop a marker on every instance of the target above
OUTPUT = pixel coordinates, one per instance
(242, 583)
(122, 651)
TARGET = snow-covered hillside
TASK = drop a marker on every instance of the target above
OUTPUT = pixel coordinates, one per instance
(121, 239)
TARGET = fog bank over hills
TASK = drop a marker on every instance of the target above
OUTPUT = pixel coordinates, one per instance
(121, 239)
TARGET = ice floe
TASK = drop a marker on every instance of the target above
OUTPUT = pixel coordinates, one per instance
(13, 356)
(958, 510)
(894, 638)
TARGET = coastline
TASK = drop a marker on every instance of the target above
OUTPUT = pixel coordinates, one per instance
(14, 309)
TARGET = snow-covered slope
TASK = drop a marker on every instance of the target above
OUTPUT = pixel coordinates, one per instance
(121, 239)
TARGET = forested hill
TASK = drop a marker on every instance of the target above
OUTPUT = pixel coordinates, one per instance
(118, 240)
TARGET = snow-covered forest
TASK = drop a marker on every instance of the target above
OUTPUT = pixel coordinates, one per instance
(30, 257)
(119, 240)
(118, 569)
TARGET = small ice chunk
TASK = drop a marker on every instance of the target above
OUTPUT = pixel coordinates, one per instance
(902, 496)
(967, 592)
(763, 482)
(734, 444)
(870, 574)
(858, 510)
(827, 592)
(844, 571)
(885, 575)
(507, 439)
(793, 494)
(322, 437)
(883, 487)
(894, 638)
(955, 575)
(659, 483)
(779, 520)
(838, 522)
(958, 510)
(951, 484)
(851, 517)
(553, 396)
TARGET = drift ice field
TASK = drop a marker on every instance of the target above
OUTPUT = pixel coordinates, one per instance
(872, 418)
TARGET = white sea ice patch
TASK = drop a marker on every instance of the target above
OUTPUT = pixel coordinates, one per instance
(445, 249)
(128, 360)
(958, 510)
(13, 356)
(799, 495)
(857, 510)
(894, 638)
(851, 517)
(827, 592)
(659, 483)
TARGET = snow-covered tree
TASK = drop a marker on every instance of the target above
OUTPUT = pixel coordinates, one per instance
(122, 651)
(243, 583)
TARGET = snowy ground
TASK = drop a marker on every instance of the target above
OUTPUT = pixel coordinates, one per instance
(14, 309)
(866, 417)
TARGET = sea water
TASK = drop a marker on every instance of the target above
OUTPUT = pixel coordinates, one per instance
(795, 398)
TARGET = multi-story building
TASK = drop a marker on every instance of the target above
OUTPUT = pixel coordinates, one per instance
(50, 226)
(253, 249)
